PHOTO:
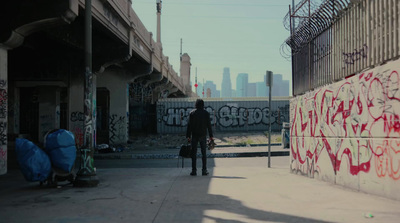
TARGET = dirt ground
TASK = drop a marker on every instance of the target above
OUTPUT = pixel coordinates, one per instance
(157, 141)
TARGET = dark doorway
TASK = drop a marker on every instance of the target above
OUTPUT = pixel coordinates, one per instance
(29, 113)
(102, 115)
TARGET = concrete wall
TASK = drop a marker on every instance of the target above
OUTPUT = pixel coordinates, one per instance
(75, 109)
(348, 132)
(116, 82)
(226, 115)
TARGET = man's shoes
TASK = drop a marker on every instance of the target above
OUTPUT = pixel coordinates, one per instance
(204, 173)
(193, 173)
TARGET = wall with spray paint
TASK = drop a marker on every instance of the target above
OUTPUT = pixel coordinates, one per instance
(226, 115)
(348, 132)
(115, 81)
(76, 115)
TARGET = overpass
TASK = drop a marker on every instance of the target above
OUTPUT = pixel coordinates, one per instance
(42, 70)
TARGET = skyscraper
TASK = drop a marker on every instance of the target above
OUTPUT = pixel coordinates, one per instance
(251, 90)
(213, 89)
(226, 86)
(276, 85)
(241, 84)
(261, 89)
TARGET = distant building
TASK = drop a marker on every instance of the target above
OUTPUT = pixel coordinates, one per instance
(280, 87)
(213, 89)
(251, 90)
(262, 90)
(226, 86)
(200, 90)
(233, 93)
(285, 88)
(241, 84)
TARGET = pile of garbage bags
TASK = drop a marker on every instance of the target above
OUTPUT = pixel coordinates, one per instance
(38, 164)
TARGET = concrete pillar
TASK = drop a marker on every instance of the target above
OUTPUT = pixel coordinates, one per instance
(49, 110)
(3, 110)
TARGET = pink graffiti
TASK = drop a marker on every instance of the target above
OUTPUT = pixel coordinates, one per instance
(357, 119)
(78, 136)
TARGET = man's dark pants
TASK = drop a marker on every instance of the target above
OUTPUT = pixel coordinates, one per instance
(203, 145)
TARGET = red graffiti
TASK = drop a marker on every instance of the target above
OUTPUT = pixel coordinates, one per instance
(357, 120)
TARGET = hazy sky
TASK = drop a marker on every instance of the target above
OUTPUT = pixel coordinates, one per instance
(244, 35)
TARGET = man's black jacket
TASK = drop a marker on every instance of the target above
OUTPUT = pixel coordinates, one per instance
(199, 122)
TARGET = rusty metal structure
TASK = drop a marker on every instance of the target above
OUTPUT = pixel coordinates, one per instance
(334, 39)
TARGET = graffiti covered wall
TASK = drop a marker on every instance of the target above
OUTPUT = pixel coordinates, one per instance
(232, 115)
(348, 132)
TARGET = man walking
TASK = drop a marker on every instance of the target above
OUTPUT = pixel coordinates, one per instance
(198, 124)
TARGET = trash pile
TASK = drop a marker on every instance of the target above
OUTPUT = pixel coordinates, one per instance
(53, 163)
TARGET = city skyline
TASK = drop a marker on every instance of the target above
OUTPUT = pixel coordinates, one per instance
(244, 35)
(280, 87)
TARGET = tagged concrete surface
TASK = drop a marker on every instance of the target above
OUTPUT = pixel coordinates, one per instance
(237, 190)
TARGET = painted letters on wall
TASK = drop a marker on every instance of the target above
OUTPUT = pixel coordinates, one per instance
(349, 131)
(224, 115)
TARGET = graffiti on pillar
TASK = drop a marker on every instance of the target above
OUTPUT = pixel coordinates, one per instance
(118, 129)
(354, 122)
(87, 161)
(88, 124)
(3, 103)
(3, 133)
(3, 126)
(77, 119)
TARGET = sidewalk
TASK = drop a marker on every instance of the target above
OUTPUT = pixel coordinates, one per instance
(237, 190)
(217, 152)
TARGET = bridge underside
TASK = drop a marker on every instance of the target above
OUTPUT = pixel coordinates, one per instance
(42, 70)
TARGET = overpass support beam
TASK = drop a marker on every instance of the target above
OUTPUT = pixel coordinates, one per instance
(86, 176)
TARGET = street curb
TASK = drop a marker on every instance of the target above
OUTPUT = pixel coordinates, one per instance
(175, 156)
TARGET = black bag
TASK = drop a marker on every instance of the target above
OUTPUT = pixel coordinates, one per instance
(185, 151)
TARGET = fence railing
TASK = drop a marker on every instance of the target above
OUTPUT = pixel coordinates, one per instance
(342, 38)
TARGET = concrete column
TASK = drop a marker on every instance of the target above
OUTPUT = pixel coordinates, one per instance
(49, 110)
(3, 110)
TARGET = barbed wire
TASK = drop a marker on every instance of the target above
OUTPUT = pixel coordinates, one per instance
(312, 18)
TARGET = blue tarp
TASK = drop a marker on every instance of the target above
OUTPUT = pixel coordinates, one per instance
(33, 161)
(60, 145)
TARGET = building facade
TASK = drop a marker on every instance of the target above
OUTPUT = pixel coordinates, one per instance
(242, 81)
(226, 86)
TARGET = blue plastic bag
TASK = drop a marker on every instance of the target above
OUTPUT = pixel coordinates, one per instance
(60, 145)
(33, 161)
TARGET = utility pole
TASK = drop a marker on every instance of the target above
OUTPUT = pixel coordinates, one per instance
(269, 80)
(86, 176)
(181, 50)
